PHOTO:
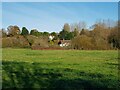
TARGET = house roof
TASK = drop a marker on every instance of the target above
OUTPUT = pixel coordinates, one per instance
(66, 41)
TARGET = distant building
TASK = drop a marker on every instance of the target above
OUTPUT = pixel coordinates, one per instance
(65, 43)
(51, 37)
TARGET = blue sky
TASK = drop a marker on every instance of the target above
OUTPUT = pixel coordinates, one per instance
(59, 0)
(51, 16)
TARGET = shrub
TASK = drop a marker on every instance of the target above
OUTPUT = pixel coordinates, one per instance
(15, 41)
(40, 42)
(101, 44)
(82, 42)
(30, 39)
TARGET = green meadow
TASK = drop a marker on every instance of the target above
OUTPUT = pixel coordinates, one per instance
(60, 69)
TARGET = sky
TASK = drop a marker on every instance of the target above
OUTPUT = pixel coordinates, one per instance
(51, 16)
(59, 0)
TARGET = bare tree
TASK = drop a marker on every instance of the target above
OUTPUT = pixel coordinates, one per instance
(13, 30)
(78, 26)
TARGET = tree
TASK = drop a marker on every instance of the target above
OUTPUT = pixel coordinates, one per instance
(3, 32)
(25, 31)
(69, 36)
(66, 27)
(45, 33)
(82, 42)
(114, 38)
(53, 34)
(85, 32)
(82, 25)
(66, 35)
(63, 34)
(76, 32)
(100, 35)
(34, 32)
(13, 30)
(78, 26)
(100, 30)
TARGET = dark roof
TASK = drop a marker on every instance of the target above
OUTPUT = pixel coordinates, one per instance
(66, 41)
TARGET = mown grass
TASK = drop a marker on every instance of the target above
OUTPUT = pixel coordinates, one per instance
(55, 69)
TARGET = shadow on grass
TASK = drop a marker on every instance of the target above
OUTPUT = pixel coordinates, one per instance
(33, 75)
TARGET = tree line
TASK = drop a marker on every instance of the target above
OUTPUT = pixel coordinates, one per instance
(103, 34)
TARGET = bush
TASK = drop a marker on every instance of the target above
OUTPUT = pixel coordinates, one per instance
(82, 42)
(101, 44)
(16, 41)
(40, 42)
(30, 39)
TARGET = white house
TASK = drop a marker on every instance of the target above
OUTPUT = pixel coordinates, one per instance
(65, 43)
(51, 37)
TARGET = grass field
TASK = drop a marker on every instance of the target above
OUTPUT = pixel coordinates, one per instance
(55, 69)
